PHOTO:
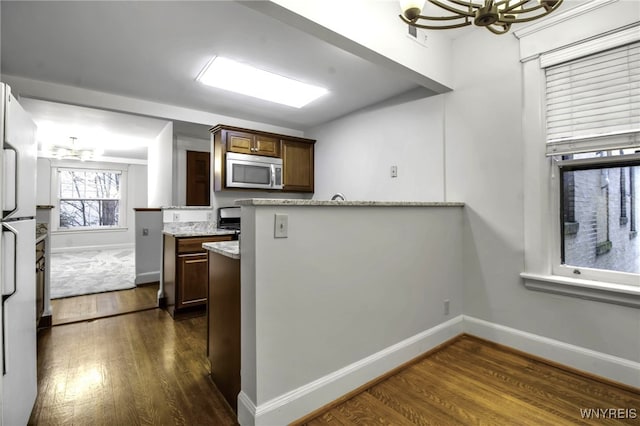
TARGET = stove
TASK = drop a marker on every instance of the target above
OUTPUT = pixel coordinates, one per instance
(229, 218)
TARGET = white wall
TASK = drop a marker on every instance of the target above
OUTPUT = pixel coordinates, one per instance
(322, 305)
(148, 250)
(469, 145)
(72, 240)
(354, 154)
(160, 169)
(487, 156)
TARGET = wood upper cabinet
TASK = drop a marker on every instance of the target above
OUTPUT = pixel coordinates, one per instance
(252, 143)
(297, 166)
(296, 154)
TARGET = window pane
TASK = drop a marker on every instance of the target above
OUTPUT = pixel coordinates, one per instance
(600, 213)
(89, 184)
(89, 213)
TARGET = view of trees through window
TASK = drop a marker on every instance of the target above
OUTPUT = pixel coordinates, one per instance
(89, 198)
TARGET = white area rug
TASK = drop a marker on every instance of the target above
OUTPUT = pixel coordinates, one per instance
(88, 272)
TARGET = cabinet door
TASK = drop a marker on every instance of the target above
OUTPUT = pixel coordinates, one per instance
(267, 146)
(193, 280)
(240, 142)
(297, 165)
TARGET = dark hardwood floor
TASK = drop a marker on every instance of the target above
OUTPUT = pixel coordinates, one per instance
(146, 368)
(472, 381)
(92, 306)
(132, 369)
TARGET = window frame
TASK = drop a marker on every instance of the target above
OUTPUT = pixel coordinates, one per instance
(557, 267)
(87, 167)
(541, 200)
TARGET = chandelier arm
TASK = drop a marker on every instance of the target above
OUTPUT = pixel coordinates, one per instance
(510, 7)
(453, 9)
(530, 18)
(440, 27)
(463, 3)
(431, 18)
(505, 28)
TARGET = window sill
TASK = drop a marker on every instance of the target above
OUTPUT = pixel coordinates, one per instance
(619, 294)
(83, 231)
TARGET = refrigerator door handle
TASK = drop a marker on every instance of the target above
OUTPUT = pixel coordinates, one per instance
(10, 266)
(10, 199)
(9, 260)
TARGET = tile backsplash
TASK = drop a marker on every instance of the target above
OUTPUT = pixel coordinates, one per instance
(187, 215)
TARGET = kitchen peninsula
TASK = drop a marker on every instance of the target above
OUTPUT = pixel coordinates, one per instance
(342, 293)
(223, 318)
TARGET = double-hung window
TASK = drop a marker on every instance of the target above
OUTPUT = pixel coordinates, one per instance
(89, 198)
(593, 136)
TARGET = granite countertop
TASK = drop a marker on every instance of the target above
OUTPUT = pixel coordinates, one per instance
(294, 202)
(186, 208)
(199, 233)
(226, 248)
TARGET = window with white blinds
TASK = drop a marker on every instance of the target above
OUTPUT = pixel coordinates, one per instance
(593, 102)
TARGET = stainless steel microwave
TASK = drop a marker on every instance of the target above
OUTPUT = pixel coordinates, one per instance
(253, 171)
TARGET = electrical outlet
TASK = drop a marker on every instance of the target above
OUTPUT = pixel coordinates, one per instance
(394, 171)
(281, 229)
(446, 306)
(145, 232)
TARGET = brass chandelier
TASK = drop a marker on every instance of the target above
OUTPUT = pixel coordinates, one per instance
(495, 15)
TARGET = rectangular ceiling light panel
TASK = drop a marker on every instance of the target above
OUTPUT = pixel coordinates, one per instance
(236, 77)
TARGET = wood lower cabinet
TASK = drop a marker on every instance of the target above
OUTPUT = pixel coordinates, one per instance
(297, 166)
(186, 272)
(223, 320)
(192, 288)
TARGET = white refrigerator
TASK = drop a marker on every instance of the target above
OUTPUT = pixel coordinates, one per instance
(18, 384)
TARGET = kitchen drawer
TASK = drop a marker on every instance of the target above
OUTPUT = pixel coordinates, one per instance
(194, 244)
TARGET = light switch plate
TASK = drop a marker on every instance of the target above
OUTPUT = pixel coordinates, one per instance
(281, 229)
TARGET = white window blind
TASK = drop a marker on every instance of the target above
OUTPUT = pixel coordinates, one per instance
(593, 102)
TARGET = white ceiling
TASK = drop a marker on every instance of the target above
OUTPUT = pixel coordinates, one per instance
(155, 50)
(119, 135)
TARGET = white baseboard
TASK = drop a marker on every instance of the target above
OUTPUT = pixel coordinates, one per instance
(147, 277)
(598, 363)
(305, 399)
(301, 401)
(90, 248)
